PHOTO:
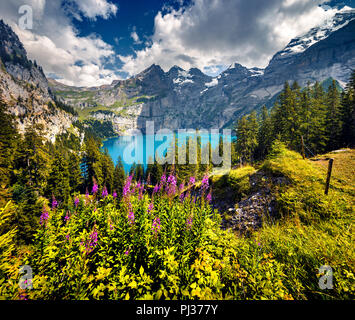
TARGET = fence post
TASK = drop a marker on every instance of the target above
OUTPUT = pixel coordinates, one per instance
(330, 167)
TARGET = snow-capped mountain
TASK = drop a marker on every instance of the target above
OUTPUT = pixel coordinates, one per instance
(190, 99)
(305, 41)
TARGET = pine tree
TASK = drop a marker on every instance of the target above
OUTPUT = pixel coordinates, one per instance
(58, 183)
(157, 171)
(265, 134)
(33, 160)
(75, 178)
(107, 169)
(93, 157)
(247, 137)
(348, 113)
(333, 117)
(8, 139)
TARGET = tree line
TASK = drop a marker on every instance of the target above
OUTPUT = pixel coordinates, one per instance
(325, 120)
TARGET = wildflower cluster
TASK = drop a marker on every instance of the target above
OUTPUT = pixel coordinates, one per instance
(104, 193)
(131, 218)
(92, 242)
(44, 216)
(127, 186)
(156, 226)
(95, 188)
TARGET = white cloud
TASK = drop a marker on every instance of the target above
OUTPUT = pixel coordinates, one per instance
(56, 45)
(96, 8)
(135, 37)
(213, 33)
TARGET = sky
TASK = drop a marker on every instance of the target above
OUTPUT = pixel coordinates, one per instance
(93, 42)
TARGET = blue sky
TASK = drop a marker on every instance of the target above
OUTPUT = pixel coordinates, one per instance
(93, 42)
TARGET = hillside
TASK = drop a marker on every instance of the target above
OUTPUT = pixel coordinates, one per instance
(98, 253)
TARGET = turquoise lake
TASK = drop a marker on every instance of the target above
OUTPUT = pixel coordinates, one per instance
(139, 148)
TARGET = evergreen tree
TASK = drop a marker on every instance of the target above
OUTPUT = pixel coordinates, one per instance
(107, 169)
(58, 183)
(33, 160)
(156, 172)
(93, 157)
(247, 137)
(8, 140)
(348, 113)
(333, 117)
(265, 134)
(75, 178)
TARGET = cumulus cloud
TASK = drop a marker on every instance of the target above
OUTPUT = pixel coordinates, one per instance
(96, 8)
(56, 44)
(213, 33)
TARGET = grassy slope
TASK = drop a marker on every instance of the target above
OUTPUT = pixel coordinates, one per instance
(313, 229)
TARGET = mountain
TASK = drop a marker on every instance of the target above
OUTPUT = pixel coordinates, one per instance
(190, 99)
(24, 88)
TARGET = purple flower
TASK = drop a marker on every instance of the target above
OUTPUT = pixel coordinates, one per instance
(192, 181)
(205, 183)
(150, 207)
(156, 189)
(76, 201)
(172, 180)
(182, 197)
(171, 187)
(181, 187)
(95, 188)
(131, 218)
(66, 218)
(54, 203)
(44, 217)
(92, 241)
(111, 227)
(163, 179)
(209, 197)
(156, 226)
(189, 222)
(67, 237)
(104, 193)
(127, 252)
(126, 188)
(114, 195)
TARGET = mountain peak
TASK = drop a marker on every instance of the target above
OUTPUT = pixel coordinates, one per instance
(316, 34)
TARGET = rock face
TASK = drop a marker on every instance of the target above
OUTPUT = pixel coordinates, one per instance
(249, 213)
(24, 88)
(190, 99)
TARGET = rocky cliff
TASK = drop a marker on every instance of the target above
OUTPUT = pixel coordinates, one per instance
(24, 88)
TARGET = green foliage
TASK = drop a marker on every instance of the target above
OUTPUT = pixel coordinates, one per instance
(106, 248)
(325, 120)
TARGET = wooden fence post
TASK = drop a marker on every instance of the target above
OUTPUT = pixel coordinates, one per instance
(330, 167)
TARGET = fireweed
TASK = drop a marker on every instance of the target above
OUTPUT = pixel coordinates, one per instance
(44, 216)
(54, 203)
(95, 188)
(126, 235)
(104, 193)
(156, 226)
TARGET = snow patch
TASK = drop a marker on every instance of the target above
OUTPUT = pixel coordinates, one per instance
(213, 83)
